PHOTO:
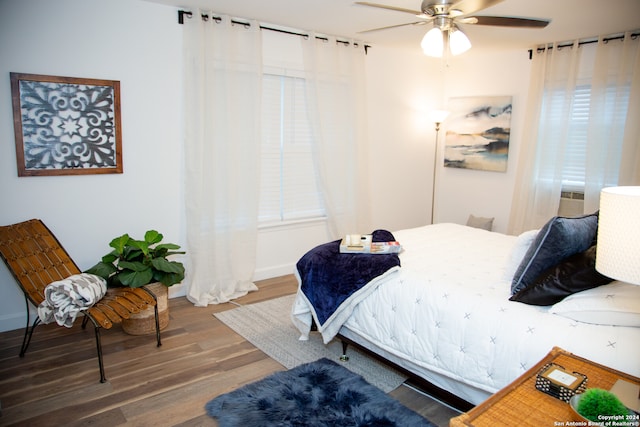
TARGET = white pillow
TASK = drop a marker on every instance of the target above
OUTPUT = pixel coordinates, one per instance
(617, 304)
(518, 251)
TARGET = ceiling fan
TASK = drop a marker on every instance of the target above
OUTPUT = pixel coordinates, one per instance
(446, 15)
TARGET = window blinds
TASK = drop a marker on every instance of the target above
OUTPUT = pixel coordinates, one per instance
(576, 154)
(288, 186)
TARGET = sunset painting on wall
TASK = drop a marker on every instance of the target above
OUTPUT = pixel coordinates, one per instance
(478, 131)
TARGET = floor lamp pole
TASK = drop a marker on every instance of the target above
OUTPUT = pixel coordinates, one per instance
(437, 117)
(435, 162)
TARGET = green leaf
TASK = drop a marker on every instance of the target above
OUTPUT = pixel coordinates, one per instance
(132, 254)
(102, 269)
(162, 251)
(168, 246)
(136, 279)
(135, 266)
(119, 243)
(162, 264)
(114, 282)
(143, 246)
(110, 257)
(168, 272)
(152, 236)
(168, 279)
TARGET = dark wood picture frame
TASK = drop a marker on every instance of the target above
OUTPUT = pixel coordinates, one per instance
(66, 125)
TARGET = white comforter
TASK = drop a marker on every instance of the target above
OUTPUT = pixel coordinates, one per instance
(448, 312)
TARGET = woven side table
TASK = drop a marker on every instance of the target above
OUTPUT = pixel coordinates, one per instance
(521, 404)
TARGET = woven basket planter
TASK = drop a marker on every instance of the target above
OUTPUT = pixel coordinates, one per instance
(144, 322)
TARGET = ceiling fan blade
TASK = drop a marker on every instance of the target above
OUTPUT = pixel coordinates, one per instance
(472, 6)
(384, 6)
(393, 26)
(505, 21)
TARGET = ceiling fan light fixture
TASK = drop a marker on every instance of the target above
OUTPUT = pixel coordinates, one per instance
(445, 14)
(433, 43)
(458, 41)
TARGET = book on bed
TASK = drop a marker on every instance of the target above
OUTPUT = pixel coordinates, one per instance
(366, 246)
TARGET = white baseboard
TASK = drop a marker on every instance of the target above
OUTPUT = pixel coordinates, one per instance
(9, 322)
(271, 272)
(180, 290)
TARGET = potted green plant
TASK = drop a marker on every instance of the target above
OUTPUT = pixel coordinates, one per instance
(135, 263)
(597, 404)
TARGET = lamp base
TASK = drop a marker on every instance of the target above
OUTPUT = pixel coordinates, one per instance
(628, 393)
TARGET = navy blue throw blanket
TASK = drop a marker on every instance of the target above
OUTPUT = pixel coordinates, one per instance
(328, 277)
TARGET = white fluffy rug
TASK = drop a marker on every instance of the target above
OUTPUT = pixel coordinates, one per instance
(268, 326)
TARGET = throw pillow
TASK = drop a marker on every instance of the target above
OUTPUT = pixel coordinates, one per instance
(480, 222)
(616, 304)
(575, 274)
(558, 239)
(520, 247)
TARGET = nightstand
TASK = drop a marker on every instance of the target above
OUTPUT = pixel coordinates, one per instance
(521, 404)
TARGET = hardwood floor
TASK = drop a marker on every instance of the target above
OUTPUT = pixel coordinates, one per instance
(57, 382)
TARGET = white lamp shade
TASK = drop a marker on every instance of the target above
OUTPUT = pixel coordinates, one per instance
(458, 42)
(618, 249)
(432, 43)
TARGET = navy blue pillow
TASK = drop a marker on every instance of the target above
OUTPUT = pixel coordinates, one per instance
(557, 240)
(577, 273)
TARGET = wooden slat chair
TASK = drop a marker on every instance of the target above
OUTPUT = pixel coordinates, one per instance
(36, 258)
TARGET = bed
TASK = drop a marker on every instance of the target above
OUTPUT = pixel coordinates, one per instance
(445, 313)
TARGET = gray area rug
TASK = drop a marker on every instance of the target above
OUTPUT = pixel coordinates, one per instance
(268, 326)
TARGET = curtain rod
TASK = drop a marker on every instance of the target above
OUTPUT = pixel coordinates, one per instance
(583, 42)
(189, 14)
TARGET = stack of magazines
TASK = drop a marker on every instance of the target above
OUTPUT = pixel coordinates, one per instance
(362, 244)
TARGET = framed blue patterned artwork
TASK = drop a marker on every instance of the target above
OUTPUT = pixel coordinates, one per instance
(66, 125)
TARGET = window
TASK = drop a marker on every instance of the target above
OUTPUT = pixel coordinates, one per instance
(288, 186)
(573, 171)
(576, 156)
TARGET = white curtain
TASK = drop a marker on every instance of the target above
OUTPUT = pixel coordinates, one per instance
(223, 75)
(335, 84)
(613, 119)
(612, 69)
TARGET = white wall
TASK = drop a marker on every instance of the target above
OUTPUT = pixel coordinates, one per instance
(136, 43)
(401, 91)
(461, 192)
(403, 88)
(139, 44)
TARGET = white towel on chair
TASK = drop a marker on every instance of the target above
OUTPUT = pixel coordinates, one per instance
(65, 299)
